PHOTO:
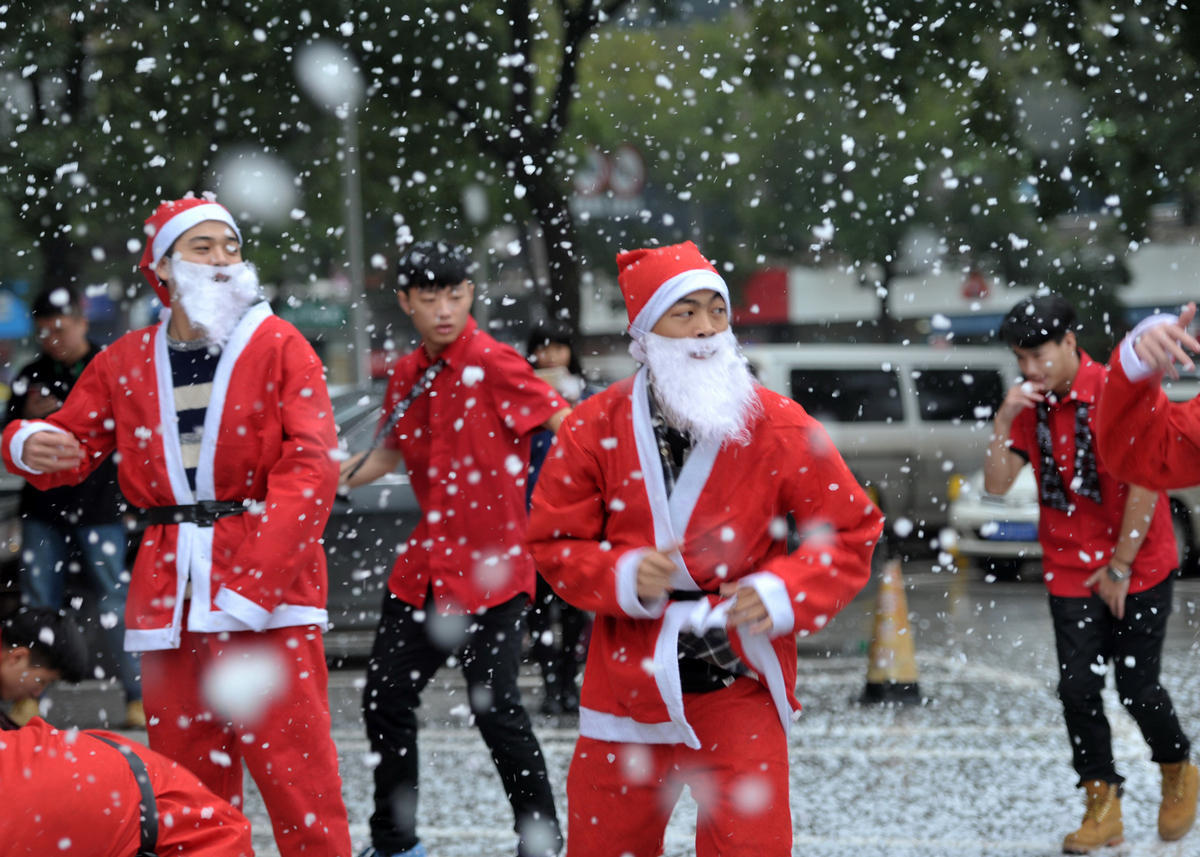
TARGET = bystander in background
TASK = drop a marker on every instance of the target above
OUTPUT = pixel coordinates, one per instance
(551, 352)
(83, 520)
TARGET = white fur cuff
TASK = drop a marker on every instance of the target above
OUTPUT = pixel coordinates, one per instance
(1135, 368)
(627, 597)
(775, 598)
(17, 446)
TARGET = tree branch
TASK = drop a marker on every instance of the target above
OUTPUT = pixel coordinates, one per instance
(521, 115)
(577, 23)
(73, 100)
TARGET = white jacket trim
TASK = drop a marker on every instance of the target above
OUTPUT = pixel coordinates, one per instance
(695, 617)
(1136, 369)
(762, 657)
(213, 416)
(774, 595)
(16, 446)
(649, 461)
(152, 639)
(242, 609)
(627, 597)
(611, 727)
(169, 423)
(666, 665)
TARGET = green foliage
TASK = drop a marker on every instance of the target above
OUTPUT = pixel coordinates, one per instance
(773, 132)
(113, 106)
(836, 131)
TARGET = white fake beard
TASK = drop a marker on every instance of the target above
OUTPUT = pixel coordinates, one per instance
(215, 297)
(703, 386)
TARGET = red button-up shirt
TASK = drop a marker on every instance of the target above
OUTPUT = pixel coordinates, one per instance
(1078, 542)
(465, 442)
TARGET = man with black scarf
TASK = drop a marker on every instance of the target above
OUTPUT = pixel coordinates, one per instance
(1109, 554)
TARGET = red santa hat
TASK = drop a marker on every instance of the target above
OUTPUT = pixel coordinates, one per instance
(652, 279)
(167, 223)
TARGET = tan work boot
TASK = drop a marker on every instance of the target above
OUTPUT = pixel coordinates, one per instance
(135, 715)
(24, 710)
(1177, 812)
(1101, 821)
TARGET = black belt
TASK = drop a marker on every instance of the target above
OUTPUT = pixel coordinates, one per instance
(697, 676)
(147, 808)
(204, 513)
(688, 594)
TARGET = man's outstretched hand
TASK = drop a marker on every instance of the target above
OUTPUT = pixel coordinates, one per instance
(1163, 346)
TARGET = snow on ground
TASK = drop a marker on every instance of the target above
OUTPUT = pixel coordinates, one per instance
(981, 769)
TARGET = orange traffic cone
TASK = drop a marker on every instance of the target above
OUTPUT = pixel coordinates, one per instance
(892, 662)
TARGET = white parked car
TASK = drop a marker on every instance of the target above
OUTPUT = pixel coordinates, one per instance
(904, 417)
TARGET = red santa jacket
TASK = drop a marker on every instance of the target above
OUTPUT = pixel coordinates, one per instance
(601, 502)
(68, 793)
(1143, 437)
(268, 435)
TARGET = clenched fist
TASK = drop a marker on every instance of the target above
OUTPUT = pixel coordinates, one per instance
(51, 451)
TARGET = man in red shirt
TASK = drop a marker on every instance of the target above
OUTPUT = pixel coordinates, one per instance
(469, 405)
(1108, 556)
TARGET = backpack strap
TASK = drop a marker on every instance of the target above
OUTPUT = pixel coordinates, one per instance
(147, 807)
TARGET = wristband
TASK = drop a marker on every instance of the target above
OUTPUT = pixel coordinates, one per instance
(1117, 574)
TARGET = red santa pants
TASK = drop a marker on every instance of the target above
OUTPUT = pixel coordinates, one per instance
(620, 796)
(287, 746)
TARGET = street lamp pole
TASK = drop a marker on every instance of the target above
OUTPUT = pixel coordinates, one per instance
(333, 81)
(359, 316)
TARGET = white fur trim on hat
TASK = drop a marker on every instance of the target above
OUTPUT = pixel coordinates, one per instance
(185, 220)
(672, 290)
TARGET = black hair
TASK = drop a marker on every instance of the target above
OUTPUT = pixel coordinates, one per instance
(56, 301)
(1038, 319)
(433, 265)
(52, 637)
(548, 333)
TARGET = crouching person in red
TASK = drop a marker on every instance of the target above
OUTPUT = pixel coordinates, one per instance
(663, 508)
(86, 792)
(222, 429)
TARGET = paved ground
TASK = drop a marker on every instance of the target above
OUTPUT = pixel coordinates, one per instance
(981, 768)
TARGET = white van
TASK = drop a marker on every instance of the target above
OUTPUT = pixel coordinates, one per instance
(905, 417)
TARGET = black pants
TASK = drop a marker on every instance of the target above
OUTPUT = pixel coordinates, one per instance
(559, 659)
(409, 648)
(1088, 637)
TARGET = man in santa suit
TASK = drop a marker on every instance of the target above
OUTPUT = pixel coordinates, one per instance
(221, 426)
(87, 792)
(664, 509)
(1143, 437)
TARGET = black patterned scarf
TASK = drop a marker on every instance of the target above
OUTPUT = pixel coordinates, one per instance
(1086, 483)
